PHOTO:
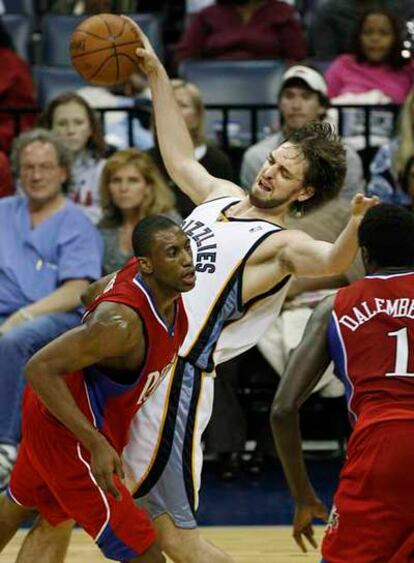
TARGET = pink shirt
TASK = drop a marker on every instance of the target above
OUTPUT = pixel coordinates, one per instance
(346, 75)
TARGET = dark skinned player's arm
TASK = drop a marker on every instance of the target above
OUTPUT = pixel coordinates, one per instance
(114, 330)
(305, 368)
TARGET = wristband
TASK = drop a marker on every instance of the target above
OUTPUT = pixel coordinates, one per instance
(25, 315)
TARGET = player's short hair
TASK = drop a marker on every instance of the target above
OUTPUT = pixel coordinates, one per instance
(325, 155)
(387, 233)
(145, 230)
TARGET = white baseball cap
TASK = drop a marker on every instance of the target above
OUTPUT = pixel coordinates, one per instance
(311, 77)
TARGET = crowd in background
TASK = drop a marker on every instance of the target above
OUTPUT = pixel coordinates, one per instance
(71, 192)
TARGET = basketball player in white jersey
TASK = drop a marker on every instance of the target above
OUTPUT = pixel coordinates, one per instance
(244, 261)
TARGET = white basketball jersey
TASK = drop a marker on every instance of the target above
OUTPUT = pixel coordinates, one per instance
(220, 325)
(164, 455)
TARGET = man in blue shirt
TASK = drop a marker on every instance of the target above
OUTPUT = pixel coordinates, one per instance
(49, 252)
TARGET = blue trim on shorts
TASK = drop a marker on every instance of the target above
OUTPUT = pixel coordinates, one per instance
(114, 548)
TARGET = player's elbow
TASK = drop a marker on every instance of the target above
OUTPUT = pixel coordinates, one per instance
(32, 370)
(281, 411)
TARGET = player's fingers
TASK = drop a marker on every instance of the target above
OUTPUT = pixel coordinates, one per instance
(308, 532)
(100, 479)
(111, 487)
(297, 535)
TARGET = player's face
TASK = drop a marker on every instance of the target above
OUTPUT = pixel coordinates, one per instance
(377, 37)
(71, 122)
(299, 106)
(188, 110)
(172, 260)
(40, 173)
(128, 188)
(280, 181)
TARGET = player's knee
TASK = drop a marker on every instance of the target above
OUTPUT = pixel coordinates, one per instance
(180, 546)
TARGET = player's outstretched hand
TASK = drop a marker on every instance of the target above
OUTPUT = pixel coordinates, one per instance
(148, 60)
(360, 204)
(104, 463)
(302, 523)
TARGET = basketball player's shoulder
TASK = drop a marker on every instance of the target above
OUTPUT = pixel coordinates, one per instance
(225, 188)
(278, 241)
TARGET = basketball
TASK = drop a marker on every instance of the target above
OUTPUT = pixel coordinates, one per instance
(102, 49)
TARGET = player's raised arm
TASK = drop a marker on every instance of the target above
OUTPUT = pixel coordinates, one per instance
(299, 379)
(113, 332)
(304, 256)
(173, 137)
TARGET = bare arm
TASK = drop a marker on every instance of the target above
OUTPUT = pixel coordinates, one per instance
(307, 257)
(113, 331)
(66, 298)
(297, 383)
(173, 137)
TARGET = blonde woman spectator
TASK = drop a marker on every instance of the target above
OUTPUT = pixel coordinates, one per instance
(131, 189)
(389, 162)
(77, 125)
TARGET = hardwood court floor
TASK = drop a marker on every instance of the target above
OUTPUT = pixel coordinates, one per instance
(247, 544)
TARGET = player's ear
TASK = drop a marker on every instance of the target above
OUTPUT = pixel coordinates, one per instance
(145, 265)
(305, 193)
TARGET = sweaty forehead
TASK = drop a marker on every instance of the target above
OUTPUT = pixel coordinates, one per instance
(287, 152)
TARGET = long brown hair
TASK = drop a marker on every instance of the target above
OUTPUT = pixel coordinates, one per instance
(96, 142)
(159, 199)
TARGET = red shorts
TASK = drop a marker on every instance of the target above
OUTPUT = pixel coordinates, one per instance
(52, 474)
(373, 515)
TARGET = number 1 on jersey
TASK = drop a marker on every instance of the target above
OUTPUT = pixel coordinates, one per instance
(401, 356)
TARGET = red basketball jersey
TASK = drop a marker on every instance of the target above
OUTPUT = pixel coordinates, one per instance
(110, 405)
(371, 339)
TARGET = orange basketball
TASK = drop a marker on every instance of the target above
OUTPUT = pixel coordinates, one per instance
(102, 49)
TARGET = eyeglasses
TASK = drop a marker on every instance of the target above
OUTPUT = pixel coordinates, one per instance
(44, 168)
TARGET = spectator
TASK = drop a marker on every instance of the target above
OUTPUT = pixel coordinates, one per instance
(212, 158)
(375, 64)
(134, 93)
(131, 189)
(302, 98)
(6, 180)
(249, 29)
(334, 22)
(16, 90)
(389, 162)
(49, 251)
(75, 122)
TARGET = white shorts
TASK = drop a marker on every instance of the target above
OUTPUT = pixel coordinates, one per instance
(164, 455)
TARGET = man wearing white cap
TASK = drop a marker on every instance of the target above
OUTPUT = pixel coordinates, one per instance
(302, 98)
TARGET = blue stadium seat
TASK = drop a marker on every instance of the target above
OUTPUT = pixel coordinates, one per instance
(52, 81)
(236, 82)
(57, 29)
(19, 7)
(19, 28)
